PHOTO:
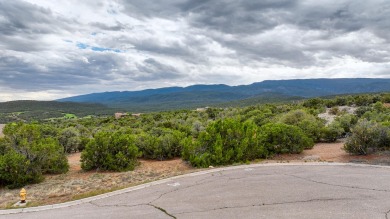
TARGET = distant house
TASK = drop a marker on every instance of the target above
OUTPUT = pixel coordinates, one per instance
(120, 115)
(202, 109)
(136, 114)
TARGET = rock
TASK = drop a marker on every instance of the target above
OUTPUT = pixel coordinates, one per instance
(312, 158)
(77, 182)
(19, 204)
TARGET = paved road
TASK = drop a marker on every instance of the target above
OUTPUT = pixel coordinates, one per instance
(256, 191)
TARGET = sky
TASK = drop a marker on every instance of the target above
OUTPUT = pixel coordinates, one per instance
(55, 49)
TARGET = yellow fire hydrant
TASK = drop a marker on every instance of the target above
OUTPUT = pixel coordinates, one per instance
(23, 195)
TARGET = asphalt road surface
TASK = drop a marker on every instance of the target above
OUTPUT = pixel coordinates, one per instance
(252, 191)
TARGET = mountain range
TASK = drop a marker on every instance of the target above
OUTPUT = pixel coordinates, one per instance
(213, 95)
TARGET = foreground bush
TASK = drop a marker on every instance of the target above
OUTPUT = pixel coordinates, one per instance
(110, 151)
(224, 142)
(160, 144)
(308, 123)
(280, 138)
(69, 138)
(367, 137)
(26, 154)
(16, 170)
(230, 141)
(332, 132)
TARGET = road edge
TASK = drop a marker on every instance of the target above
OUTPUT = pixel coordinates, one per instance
(158, 182)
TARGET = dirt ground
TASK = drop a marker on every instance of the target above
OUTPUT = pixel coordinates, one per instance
(1, 130)
(332, 152)
(78, 183)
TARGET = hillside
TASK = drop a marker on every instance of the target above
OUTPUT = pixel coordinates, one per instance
(218, 95)
(28, 110)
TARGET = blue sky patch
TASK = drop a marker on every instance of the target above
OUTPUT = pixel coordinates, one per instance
(82, 45)
(96, 48)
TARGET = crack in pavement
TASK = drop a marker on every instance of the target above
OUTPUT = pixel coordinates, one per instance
(337, 185)
(387, 214)
(162, 210)
(162, 194)
(197, 183)
(266, 204)
(137, 205)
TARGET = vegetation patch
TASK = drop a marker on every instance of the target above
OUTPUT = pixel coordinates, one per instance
(203, 138)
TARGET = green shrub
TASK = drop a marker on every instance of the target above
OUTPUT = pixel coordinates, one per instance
(281, 138)
(110, 151)
(224, 142)
(367, 137)
(346, 121)
(332, 132)
(160, 144)
(16, 170)
(308, 123)
(26, 154)
(70, 139)
(334, 110)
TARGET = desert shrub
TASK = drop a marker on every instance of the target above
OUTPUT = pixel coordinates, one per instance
(160, 144)
(110, 151)
(367, 137)
(334, 110)
(332, 132)
(364, 100)
(282, 138)
(16, 170)
(197, 127)
(346, 121)
(308, 123)
(260, 116)
(70, 139)
(3, 146)
(224, 142)
(377, 112)
(26, 154)
(313, 103)
(360, 111)
(85, 136)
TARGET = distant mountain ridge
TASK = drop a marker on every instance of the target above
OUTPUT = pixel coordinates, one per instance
(203, 95)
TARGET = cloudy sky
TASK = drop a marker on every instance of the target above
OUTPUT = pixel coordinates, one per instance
(53, 49)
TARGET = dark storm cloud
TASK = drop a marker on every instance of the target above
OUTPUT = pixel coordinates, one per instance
(240, 18)
(345, 16)
(164, 8)
(19, 74)
(117, 27)
(230, 16)
(42, 47)
(23, 24)
(332, 20)
(151, 69)
(20, 17)
(174, 49)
